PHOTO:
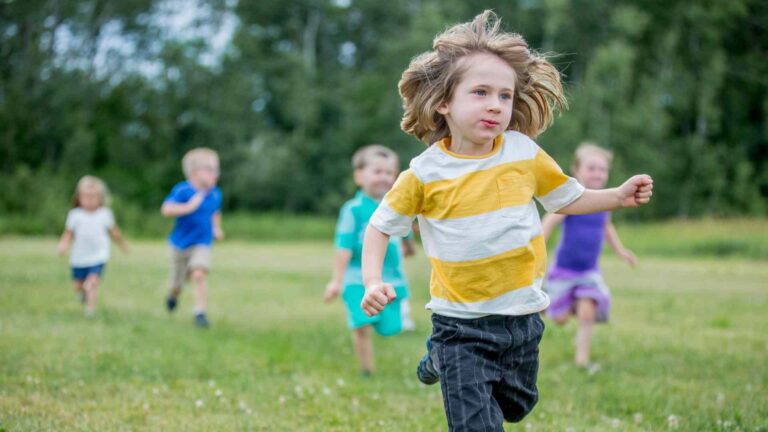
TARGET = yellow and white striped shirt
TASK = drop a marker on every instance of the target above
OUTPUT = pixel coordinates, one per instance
(479, 223)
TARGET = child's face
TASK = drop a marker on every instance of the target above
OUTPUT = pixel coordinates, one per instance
(592, 171)
(205, 174)
(377, 176)
(481, 106)
(89, 198)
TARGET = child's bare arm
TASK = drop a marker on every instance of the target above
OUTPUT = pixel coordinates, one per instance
(117, 236)
(612, 237)
(633, 193)
(218, 233)
(66, 239)
(550, 222)
(173, 209)
(377, 293)
(340, 263)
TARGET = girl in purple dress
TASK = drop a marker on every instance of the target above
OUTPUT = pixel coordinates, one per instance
(574, 283)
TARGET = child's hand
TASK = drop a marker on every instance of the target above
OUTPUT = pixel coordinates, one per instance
(332, 291)
(124, 248)
(218, 233)
(377, 296)
(61, 249)
(629, 257)
(636, 191)
(197, 199)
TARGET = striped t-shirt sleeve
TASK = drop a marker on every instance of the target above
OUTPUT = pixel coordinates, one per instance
(400, 205)
(554, 189)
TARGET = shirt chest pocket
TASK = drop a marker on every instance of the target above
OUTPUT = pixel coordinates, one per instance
(515, 190)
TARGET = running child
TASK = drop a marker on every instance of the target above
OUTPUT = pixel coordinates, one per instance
(196, 206)
(575, 283)
(89, 226)
(375, 169)
(478, 99)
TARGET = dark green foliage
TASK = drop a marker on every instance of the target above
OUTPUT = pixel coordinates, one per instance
(676, 89)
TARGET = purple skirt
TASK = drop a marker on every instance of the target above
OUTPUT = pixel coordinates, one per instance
(565, 287)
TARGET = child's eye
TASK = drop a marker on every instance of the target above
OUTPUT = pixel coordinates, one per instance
(506, 96)
(480, 92)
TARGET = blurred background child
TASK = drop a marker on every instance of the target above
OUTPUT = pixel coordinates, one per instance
(90, 223)
(575, 283)
(196, 205)
(375, 170)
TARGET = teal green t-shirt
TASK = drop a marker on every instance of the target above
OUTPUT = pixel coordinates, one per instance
(350, 229)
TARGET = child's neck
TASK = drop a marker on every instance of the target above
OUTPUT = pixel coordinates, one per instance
(371, 195)
(196, 184)
(468, 148)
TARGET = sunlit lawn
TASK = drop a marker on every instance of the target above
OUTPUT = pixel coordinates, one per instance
(687, 348)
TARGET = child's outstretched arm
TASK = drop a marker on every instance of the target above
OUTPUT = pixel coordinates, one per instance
(117, 236)
(340, 263)
(66, 239)
(550, 222)
(174, 209)
(612, 237)
(633, 193)
(377, 293)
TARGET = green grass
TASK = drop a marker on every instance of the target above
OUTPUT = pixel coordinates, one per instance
(688, 339)
(738, 238)
(140, 224)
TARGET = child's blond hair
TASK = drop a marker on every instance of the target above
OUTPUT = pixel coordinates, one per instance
(432, 77)
(97, 184)
(197, 157)
(588, 148)
(362, 156)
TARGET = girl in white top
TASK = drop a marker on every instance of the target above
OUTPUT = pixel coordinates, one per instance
(91, 224)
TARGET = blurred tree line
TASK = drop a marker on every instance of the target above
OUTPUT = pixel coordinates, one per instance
(677, 89)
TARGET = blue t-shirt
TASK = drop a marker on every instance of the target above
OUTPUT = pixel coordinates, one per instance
(350, 230)
(195, 228)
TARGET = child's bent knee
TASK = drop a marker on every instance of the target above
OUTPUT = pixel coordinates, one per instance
(197, 274)
(518, 412)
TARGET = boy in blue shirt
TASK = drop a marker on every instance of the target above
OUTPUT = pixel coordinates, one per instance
(196, 205)
(375, 170)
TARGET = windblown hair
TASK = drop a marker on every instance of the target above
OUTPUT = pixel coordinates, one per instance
(431, 79)
(363, 156)
(197, 157)
(586, 149)
(94, 183)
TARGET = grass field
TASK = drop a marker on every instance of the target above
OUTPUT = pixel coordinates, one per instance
(687, 349)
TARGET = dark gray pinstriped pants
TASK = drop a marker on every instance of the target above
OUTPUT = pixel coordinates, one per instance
(487, 368)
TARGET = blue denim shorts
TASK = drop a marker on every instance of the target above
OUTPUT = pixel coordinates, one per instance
(80, 273)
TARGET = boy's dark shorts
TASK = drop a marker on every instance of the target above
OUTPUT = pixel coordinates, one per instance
(488, 368)
(81, 273)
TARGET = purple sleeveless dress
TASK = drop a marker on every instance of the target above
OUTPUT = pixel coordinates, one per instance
(575, 273)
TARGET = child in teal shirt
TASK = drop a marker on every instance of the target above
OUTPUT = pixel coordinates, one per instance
(375, 170)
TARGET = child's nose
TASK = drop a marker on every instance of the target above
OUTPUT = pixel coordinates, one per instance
(493, 107)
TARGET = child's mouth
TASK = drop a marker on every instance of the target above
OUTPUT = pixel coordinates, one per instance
(489, 123)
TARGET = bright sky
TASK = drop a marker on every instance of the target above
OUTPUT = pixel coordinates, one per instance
(176, 19)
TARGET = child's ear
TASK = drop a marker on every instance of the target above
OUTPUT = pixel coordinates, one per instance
(442, 108)
(356, 177)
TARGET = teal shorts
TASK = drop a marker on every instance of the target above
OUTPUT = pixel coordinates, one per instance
(388, 322)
